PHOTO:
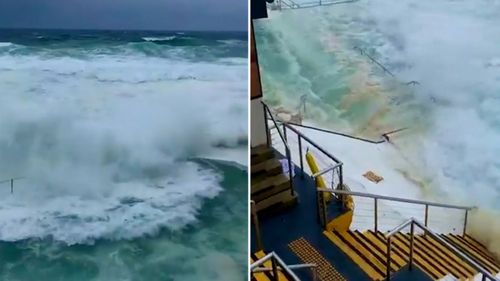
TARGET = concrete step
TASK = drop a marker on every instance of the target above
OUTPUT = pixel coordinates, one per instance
(266, 185)
(269, 167)
(276, 203)
(261, 153)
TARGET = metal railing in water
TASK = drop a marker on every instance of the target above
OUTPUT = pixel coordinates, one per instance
(384, 68)
(289, 4)
(11, 181)
(376, 198)
(486, 275)
(288, 154)
(277, 264)
(383, 137)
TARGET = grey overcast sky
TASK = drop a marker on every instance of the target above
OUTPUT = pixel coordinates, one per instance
(125, 14)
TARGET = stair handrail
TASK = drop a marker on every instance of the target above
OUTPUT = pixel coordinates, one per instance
(275, 260)
(377, 197)
(267, 111)
(412, 222)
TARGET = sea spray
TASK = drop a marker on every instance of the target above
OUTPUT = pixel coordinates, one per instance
(485, 227)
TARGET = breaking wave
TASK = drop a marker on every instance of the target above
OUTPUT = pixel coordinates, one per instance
(107, 144)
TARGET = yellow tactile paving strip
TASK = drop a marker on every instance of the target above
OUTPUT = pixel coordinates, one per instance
(308, 254)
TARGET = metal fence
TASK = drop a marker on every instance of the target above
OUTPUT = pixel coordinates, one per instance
(383, 213)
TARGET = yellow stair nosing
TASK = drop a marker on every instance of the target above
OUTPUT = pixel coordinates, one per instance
(425, 255)
(485, 262)
(422, 264)
(367, 268)
(481, 249)
(476, 243)
(382, 248)
(440, 258)
(457, 261)
(368, 254)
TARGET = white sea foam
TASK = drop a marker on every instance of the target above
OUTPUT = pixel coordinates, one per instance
(5, 44)
(103, 143)
(165, 38)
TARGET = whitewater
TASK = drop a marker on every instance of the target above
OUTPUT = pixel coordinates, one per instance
(441, 82)
(117, 138)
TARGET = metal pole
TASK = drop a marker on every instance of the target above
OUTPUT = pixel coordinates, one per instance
(300, 154)
(275, 270)
(11, 186)
(412, 236)
(268, 134)
(388, 263)
(315, 273)
(341, 176)
(257, 226)
(426, 214)
(290, 167)
(376, 213)
(284, 132)
(465, 223)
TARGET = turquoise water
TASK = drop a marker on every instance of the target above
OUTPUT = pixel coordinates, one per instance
(213, 248)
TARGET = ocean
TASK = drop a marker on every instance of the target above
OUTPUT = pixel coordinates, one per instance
(130, 151)
(369, 67)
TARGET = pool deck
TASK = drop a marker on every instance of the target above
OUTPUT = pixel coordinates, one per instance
(301, 221)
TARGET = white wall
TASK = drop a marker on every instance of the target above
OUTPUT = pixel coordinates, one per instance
(257, 123)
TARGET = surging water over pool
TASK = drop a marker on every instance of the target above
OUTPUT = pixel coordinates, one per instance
(449, 47)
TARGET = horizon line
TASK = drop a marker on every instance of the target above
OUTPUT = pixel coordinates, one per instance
(124, 29)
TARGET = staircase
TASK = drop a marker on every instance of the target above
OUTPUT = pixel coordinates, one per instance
(270, 188)
(368, 250)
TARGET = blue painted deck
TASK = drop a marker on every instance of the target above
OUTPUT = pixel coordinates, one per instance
(302, 221)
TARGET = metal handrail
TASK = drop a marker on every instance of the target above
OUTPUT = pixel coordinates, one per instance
(397, 199)
(276, 260)
(412, 223)
(385, 69)
(377, 197)
(292, 266)
(267, 111)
